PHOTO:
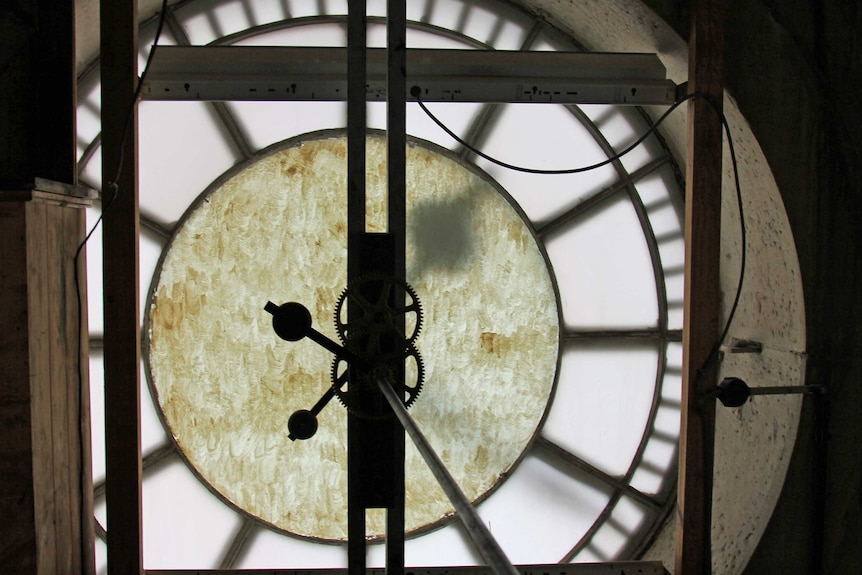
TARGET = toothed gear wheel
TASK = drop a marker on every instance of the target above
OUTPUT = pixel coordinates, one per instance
(356, 388)
(375, 325)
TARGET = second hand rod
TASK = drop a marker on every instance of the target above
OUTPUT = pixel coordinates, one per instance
(485, 543)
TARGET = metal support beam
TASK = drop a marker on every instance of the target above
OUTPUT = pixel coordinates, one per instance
(610, 568)
(321, 74)
(356, 132)
(396, 174)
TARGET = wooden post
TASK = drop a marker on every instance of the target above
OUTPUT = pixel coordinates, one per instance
(45, 479)
(120, 252)
(45, 470)
(702, 290)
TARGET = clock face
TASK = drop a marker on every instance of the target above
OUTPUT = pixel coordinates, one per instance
(276, 229)
(572, 284)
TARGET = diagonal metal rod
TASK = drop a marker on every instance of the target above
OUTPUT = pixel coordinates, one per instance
(484, 542)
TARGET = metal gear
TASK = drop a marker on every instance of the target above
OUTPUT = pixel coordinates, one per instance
(375, 327)
(356, 388)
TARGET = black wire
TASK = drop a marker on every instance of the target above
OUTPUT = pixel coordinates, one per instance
(105, 207)
(714, 352)
(415, 91)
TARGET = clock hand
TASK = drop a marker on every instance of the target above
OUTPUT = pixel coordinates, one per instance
(484, 542)
(292, 322)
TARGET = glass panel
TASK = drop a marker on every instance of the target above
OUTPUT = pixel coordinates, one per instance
(488, 22)
(152, 432)
(91, 173)
(603, 269)
(611, 538)
(652, 475)
(93, 252)
(101, 548)
(659, 458)
(149, 250)
(324, 34)
(173, 137)
(549, 138)
(602, 402)
(100, 511)
(458, 117)
(266, 549)
(101, 557)
(549, 40)
(97, 415)
(621, 126)
(417, 38)
(588, 555)
(89, 111)
(664, 204)
(302, 8)
(426, 550)
(542, 509)
(265, 123)
(185, 526)
(206, 20)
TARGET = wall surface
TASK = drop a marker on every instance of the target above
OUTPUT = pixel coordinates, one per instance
(794, 69)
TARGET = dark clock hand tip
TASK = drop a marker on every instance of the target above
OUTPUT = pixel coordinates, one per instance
(291, 321)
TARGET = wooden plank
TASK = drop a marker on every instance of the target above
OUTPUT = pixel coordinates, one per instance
(77, 219)
(702, 288)
(41, 373)
(55, 269)
(120, 229)
(69, 417)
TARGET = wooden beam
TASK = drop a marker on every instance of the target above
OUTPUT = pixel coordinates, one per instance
(45, 481)
(119, 51)
(702, 290)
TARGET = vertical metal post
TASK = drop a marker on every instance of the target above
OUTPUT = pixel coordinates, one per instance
(356, 132)
(396, 153)
(702, 290)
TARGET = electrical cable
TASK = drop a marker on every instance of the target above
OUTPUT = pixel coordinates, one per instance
(416, 92)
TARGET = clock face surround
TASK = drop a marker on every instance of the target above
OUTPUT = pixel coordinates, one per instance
(601, 468)
(275, 229)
